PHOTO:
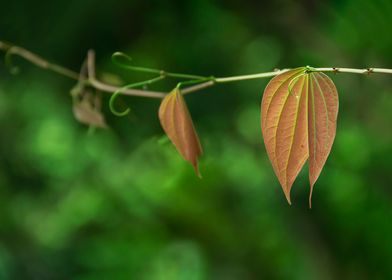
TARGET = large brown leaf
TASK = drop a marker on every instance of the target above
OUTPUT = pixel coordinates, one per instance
(177, 123)
(298, 119)
(323, 111)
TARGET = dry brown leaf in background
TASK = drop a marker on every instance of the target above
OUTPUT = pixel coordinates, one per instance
(298, 119)
(87, 103)
(87, 110)
(178, 125)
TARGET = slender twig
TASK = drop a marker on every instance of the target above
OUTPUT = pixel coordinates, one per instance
(223, 80)
(198, 87)
(355, 71)
(110, 88)
(250, 77)
(128, 65)
(91, 78)
(37, 60)
(133, 85)
(200, 80)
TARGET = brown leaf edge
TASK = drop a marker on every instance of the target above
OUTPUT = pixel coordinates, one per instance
(298, 118)
(177, 123)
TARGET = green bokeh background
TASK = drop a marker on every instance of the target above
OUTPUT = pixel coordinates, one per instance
(122, 204)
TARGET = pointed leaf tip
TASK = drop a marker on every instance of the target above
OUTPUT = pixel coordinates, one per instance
(298, 120)
(177, 123)
(282, 120)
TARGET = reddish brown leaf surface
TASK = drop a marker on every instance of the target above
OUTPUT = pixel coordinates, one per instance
(298, 119)
(323, 112)
(177, 123)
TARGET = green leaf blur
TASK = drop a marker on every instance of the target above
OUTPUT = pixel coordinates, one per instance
(122, 204)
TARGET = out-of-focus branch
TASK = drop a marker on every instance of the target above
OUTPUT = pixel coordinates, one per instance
(91, 79)
(110, 88)
(37, 60)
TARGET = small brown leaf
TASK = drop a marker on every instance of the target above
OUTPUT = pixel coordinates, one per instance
(177, 123)
(298, 118)
(87, 103)
(87, 110)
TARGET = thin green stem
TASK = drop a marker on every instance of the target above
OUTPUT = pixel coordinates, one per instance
(127, 64)
(94, 82)
(183, 76)
(196, 82)
(133, 85)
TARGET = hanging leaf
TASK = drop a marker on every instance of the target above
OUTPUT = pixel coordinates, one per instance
(298, 118)
(87, 103)
(177, 123)
(87, 110)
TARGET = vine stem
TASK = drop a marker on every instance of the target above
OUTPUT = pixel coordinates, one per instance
(37, 60)
(91, 79)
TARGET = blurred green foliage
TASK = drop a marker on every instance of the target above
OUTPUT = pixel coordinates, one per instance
(122, 204)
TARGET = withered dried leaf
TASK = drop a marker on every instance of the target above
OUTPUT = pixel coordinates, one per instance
(87, 103)
(87, 110)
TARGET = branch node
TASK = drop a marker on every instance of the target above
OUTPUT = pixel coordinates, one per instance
(369, 71)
